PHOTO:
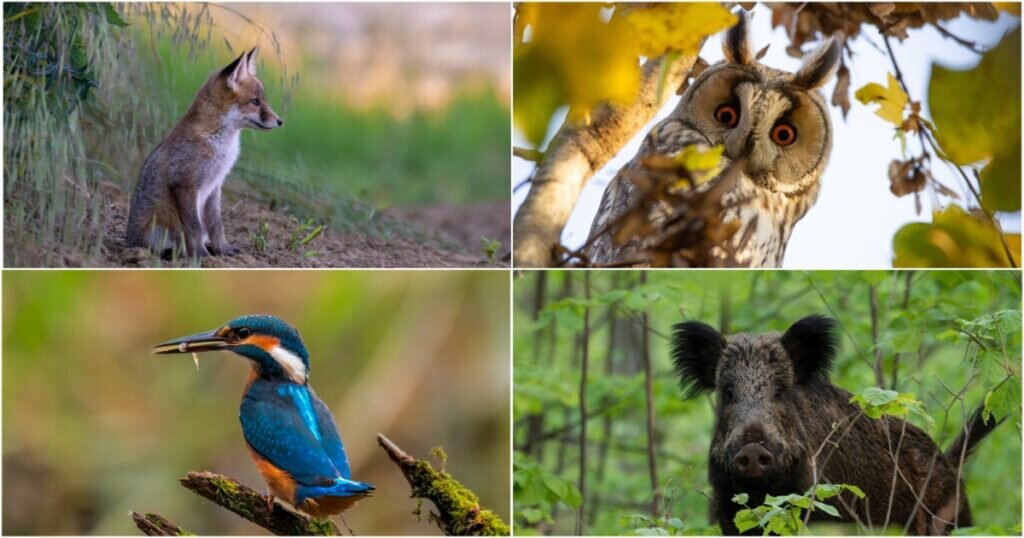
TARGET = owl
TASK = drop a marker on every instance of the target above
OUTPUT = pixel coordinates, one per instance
(776, 136)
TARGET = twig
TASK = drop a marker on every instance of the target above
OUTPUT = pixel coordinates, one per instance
(249, 504)
(458, 510)
(156, 525)
(925, 136)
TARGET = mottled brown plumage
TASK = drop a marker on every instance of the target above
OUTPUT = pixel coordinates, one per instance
(780, 167)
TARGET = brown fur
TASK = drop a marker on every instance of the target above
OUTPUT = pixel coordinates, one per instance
(178, 194)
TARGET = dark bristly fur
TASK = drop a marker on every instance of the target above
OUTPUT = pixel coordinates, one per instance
(782, 426)
(973, 431)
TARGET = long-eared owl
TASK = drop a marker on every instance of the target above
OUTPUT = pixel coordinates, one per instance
(776, 134)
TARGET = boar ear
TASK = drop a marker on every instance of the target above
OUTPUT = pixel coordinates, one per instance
(696, 348)
(819, 65)
(236, 72)
(736, 43)
(811, 344)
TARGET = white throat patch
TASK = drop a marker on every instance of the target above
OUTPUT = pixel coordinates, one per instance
(290, 363)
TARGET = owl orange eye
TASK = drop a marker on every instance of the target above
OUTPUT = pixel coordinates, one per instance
(783, 134)
(727, 115)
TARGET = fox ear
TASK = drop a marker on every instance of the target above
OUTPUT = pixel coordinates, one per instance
(236, 71)
(250, 61)
(811, 345)
(696, 348)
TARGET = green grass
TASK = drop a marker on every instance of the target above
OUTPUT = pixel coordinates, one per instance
(457, 154)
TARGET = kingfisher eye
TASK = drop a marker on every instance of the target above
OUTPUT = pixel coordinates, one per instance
(783, 134)
(255, 102)
(727, 115)
(243, 332)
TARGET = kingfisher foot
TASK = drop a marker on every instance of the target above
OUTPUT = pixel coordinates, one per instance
(269, 498)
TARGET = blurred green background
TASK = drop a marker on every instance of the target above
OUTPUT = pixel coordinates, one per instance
(95, 426)
(923, 321)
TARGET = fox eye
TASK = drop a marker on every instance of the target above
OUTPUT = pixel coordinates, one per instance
(255, 102)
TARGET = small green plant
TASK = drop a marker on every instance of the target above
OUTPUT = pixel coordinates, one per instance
(490, 247)
(259, 237)
(785, 515)
(304, 232)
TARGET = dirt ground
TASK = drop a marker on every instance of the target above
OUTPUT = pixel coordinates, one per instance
(452, 238)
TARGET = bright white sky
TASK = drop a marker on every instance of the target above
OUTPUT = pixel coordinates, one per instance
(852, 225)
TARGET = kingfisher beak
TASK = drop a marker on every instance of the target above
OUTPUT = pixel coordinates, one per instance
(196, 343)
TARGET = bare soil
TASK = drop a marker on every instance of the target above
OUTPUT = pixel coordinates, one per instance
(450, 238)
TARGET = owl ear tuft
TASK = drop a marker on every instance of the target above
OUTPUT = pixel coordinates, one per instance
(736, 44)
(819, 65)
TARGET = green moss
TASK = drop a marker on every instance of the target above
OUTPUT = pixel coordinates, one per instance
(439, 455)
(321, 527)
(227, 491)
(460, 508)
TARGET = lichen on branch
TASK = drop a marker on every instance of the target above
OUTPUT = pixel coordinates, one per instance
(458, 509)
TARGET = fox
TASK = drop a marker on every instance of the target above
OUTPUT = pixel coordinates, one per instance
(178, 193)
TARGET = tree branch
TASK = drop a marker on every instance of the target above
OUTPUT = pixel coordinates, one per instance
(156, 525)
(242, 500)
(249, 504)
(577, 152)
(458, 510)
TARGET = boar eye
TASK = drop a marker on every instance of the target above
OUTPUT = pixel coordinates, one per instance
(255, 102)
(727, 393)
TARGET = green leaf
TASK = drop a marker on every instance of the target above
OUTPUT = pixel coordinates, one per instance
(830, 510)
(745, 520)
(113, 17)
(854, 490)
(531, 515)
(741, 498)
(826, 491)
(1004, 400)
(977, 116)
(954, 238)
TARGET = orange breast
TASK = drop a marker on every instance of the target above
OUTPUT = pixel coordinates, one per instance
(279, 482)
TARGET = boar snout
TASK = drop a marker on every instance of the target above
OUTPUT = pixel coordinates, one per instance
(753, 461)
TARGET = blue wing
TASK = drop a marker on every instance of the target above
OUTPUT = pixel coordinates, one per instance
(330, 437)
(280, 423)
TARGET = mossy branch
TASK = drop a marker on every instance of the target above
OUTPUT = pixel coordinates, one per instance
(251, 505)
(458, 509)
(242, 500)
(156, 525)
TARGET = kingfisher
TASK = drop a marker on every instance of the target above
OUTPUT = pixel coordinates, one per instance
(290, 433)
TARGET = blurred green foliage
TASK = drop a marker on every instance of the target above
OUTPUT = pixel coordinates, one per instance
(936, 331)
(95, 426)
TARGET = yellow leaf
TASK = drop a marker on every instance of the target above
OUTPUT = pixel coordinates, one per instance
(703, 165)
(676, 27)
(573, 58)
(1013, 8)
(891, 100)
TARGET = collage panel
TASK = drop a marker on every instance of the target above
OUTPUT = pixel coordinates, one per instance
(767, 402)
(117, 423)
(275, 134)
(765, 135)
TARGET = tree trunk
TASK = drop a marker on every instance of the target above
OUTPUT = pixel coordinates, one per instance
(577, 152)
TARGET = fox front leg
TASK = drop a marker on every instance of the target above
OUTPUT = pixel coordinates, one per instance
(192, 225)
(215, 226)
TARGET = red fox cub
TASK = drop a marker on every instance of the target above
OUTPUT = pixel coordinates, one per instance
(178, 192)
